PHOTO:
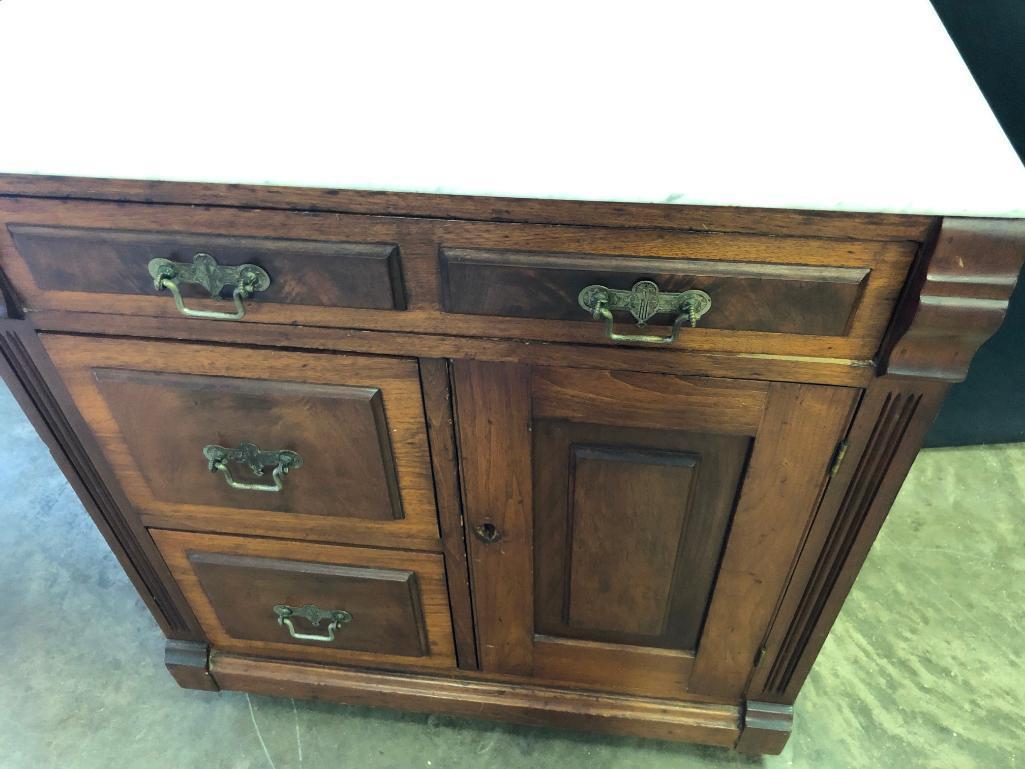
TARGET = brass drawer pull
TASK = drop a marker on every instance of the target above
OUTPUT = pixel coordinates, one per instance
(250, 455)
(644, 301)
(204, 271)
(314, 616)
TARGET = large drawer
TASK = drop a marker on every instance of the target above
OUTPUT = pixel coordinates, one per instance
(300, 445)
(323, 603)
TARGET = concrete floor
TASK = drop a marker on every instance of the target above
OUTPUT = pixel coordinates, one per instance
(923, 669)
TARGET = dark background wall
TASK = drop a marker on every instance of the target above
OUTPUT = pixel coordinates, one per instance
(989, 406)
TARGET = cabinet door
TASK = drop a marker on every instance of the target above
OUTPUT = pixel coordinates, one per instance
(632, 532)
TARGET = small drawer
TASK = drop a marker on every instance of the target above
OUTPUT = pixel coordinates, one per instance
(751, 293)
(226, 264)
(322, 603)
(744, 295)
(266, 442)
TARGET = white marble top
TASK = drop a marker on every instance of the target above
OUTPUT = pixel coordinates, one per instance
(824, 105)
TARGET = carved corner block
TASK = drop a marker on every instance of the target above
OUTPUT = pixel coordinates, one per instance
(189, 663)
(955, 299)
(765, 728)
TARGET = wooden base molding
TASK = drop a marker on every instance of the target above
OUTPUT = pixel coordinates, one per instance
(533, 705)
(766, 728)
(188, 662)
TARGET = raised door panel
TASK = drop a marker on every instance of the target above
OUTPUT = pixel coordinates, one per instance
(629, 525)
(637, 516)
(356, 423)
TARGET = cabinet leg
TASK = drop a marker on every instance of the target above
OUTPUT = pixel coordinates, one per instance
(188, 662)
(766, 727)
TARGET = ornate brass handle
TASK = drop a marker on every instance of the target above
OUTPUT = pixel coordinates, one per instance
(644, 301)
(250, 455)
(314, 616)
(204, 271)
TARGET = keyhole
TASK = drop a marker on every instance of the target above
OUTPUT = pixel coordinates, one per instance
(487, 533)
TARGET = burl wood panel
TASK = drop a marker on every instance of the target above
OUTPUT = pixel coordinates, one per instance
(322, 406)
(398, 600)
(340, 432)
(746, 296)
(305, 272)
(384, 603)
(629, 526)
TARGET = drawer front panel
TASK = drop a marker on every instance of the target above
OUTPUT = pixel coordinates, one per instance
(342, 604)
(339, 431)
(790, 296)
(195, 436)
(302, 272)
(786, 299)
(816, 297)
(318, 268)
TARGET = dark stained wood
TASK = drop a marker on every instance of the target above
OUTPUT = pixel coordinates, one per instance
(493, 417)
(35, 384)
(384, 603)
(527, 704)
(154, 405)
(884, 439)
(785, 478)
(699, 218)
(398, 601)
(434, 377)
(340, 432)
(887, 264)
(956, 299)
(753, 367)
(766, 728)
(305, 272)
(188, 664)
(629, 525)
(746, 296)
(667, 526)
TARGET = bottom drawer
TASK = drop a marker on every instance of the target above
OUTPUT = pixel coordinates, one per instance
(322, 603)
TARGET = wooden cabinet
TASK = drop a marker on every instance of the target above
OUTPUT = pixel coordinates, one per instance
(412, 465)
